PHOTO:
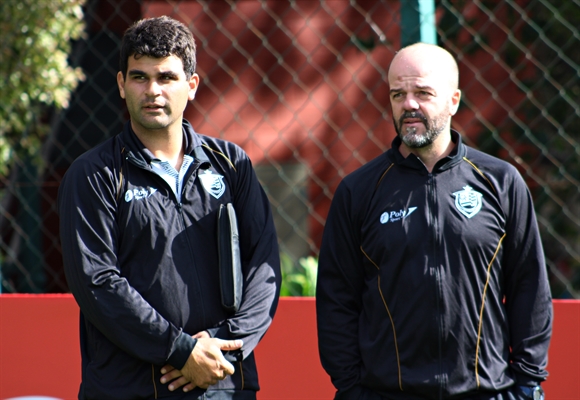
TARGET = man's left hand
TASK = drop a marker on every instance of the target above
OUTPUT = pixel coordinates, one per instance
(173, 375)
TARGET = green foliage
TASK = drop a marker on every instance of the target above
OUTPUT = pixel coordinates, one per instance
(298, 280)
(34, 72)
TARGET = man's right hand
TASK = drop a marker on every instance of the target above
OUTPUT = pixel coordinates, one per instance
(205, 366)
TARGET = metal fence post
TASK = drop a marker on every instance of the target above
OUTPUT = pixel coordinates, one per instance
(30, 218)
(418, 22)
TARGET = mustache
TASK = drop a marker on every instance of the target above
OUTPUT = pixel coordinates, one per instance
(412, 114)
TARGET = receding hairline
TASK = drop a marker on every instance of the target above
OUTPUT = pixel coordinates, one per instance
(433, 51)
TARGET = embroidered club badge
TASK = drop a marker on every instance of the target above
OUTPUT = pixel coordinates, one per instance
(468, 202)
(213, 183)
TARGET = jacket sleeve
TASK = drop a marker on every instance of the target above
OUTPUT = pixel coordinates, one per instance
(260, 261)
(339, 295)
(89, 238)
(527, 293)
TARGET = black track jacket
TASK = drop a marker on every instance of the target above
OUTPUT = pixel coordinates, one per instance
(143, 266)
(432, 285)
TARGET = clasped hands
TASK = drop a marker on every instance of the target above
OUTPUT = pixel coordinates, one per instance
(205, 366)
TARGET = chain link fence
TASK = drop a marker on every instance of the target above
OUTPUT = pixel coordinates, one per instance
(301, 85)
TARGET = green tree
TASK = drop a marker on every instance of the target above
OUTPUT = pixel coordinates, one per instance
(35, 74)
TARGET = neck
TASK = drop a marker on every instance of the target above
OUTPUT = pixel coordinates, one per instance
(164, 144)
(430, 155)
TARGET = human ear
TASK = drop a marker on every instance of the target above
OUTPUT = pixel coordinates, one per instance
(121, 84)
(455, 99)
(193, 85)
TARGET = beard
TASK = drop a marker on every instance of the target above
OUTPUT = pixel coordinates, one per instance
(433, 128)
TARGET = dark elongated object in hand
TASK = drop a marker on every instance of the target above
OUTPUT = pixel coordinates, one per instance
(230, 264)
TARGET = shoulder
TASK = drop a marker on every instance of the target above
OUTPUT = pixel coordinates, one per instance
(501, 174)
(221, 150)
(101, 163)
(100, 156)
(490, 164)
(357, 188)
(369, 174)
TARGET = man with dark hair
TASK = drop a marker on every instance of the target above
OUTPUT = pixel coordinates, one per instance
(432, 282)
(161, 39)
(139, 231)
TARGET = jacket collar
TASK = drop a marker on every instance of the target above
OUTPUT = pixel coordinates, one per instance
(142, 156)
(413, 162)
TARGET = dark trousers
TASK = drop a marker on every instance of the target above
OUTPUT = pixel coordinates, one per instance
(218, 395)
(512, 393)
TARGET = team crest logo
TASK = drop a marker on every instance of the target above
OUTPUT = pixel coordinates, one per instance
(468, 201)
(213, 183)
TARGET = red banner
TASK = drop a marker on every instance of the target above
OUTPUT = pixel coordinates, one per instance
(39, 350)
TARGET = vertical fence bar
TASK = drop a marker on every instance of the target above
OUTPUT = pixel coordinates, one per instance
(418, 22)
(29, 254)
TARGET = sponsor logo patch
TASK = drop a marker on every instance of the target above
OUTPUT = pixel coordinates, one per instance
(139, 194)
(468, 202)
(393, 216)
(213, 183)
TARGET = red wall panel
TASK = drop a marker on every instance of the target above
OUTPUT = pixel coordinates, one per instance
(39, 350)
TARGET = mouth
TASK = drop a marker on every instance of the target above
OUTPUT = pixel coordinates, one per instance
(412, 119)
(152, 107)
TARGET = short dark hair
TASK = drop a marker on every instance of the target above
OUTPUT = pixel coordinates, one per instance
(159, 38)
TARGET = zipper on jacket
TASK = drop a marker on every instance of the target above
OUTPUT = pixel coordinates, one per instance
(154, 383)
(242, 374)
(191, 175)
(434, 225)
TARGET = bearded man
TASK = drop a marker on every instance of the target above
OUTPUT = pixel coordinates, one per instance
(432, 282)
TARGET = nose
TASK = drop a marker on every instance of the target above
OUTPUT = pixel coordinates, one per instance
(153, 88)
(410, 103)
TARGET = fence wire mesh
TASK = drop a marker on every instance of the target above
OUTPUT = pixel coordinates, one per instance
(301, 86)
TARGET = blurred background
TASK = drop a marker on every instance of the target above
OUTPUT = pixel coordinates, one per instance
(301, 85)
